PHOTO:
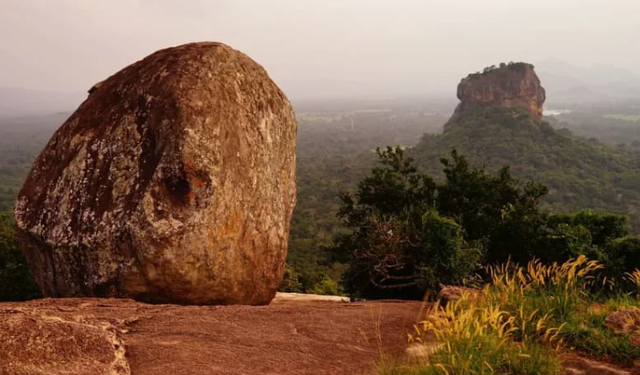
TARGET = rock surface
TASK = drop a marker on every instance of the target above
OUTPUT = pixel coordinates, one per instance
(173, 182)
(512, 86)
(304, 297)
(576, 365)
(625, 321)
(121, 337)
(454, 293)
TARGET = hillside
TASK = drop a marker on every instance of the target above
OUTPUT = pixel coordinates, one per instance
(580, 173)
(21, 139)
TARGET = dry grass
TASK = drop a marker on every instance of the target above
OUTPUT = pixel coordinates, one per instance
(525, 318)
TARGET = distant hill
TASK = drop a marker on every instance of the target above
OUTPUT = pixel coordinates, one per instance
(566, 83)
(21, 140)
(16, 102)
(580, 173)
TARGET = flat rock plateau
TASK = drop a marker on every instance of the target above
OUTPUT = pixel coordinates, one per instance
(120, 337)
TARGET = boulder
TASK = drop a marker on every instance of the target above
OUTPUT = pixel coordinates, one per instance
(174, 182)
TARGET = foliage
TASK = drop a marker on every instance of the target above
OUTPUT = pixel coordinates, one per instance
(623, 257)
(290, 281)
(16, 283)
(524, 318)
(410, 234)
(333, 153)
(483, 203)
(502, 66)
(400, 245)
(580, 173)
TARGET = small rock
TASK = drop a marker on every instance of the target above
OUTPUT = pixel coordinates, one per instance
(421, 351)
(624, 321)
(454, 293)
(575, 365)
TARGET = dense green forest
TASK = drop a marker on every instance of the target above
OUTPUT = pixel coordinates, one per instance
(580, 173)
(21, 139)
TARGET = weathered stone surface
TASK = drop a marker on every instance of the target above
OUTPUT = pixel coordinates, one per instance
(37, 343)
(576, 365)
(293, 338)
(454, 293)
(625, 321)
(512, 86)
(173, 182)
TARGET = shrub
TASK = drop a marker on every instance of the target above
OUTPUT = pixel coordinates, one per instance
(16, 282)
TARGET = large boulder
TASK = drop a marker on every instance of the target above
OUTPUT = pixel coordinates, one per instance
(173, 182)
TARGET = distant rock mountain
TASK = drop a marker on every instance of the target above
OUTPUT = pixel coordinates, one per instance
(570, 83)
(513, 85)
(16, 102)
(497, 124)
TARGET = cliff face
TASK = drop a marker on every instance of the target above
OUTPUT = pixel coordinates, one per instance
(512, 86)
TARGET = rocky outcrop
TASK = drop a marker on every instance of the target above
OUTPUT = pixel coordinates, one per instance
(513, 85)
(118, 337)
(173, 182)
(38, 342)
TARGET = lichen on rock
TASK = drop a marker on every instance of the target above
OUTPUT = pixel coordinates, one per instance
(173, 182)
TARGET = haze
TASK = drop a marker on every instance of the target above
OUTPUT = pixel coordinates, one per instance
(315, 48)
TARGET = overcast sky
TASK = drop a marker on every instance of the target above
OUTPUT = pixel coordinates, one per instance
(315, 48)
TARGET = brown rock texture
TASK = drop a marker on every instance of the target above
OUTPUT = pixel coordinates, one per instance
(173, 182)
(121, 337)
(576, 365)
(625, 321)
(454, 293)
(515, 85)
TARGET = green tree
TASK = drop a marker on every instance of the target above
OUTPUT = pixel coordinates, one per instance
(494, 210)
(399, 246)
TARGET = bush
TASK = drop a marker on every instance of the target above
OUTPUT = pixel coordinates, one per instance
(622, 257)
(16, 282)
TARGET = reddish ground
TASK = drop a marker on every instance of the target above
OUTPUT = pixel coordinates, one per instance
(85, 336)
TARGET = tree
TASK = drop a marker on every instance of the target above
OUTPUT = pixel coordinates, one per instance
(399, 245)
(485, 205)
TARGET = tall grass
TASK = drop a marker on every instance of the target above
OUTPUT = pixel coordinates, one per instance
(521, 322)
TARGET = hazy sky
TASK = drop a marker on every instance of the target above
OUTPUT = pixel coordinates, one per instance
(315, 48)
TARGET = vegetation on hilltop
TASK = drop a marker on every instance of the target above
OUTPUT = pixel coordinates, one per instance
(510, 66)
(580, 173)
